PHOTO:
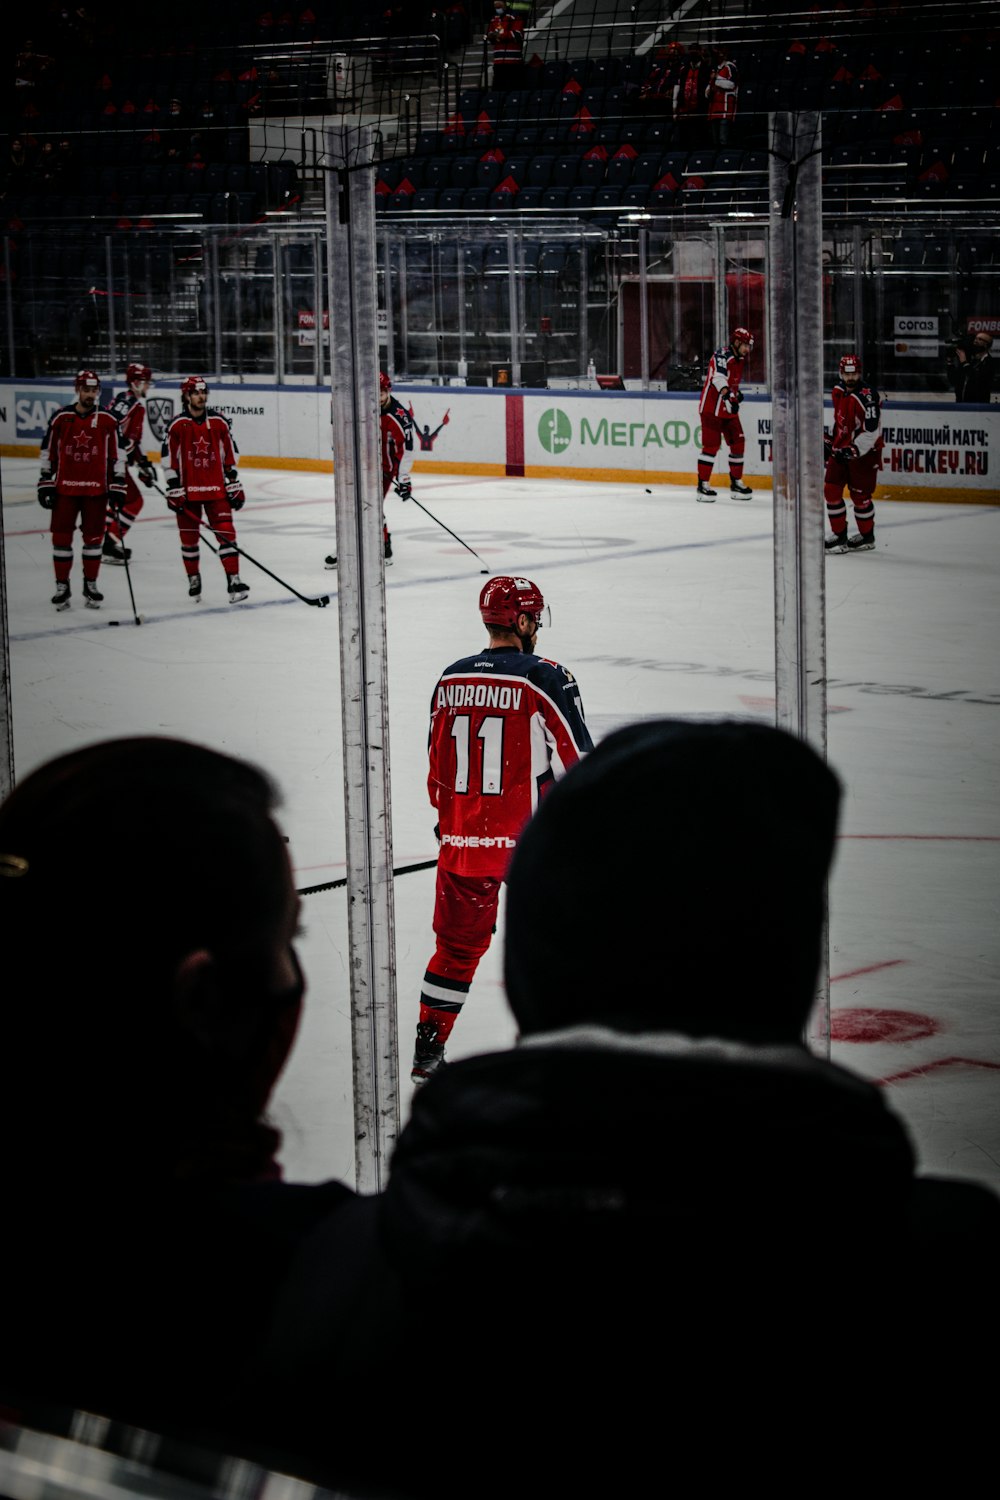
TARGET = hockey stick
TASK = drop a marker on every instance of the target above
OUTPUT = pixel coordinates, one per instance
(128, 576)
(321, 602)
(333, 885)
(444, 527)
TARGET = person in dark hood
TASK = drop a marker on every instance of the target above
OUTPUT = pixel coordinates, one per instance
(652, 1188)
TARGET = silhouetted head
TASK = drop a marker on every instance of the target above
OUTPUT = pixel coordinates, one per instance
(674, 880)
(148, 896)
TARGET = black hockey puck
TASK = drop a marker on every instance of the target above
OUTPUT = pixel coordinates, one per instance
(113, 622)
(649, 492)
(484, 570)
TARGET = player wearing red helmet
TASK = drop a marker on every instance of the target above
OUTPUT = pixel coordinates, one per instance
(199, 462)
(81, 476)
(853, 453)
(504, 723)
(129, 412)
(396, 442)
(719, 409)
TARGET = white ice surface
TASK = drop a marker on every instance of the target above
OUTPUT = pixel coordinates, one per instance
(660, 606)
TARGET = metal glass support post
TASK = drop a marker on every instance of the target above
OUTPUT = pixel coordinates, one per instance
(6, 709)
(796, 344)
(277, 310)
(644, 305)
(318, 305)
(9, 306)
(350, 221)
(512, 310)
(110, 271)
(584, 308)
(216, 275)
(390, 345)
(723, 322)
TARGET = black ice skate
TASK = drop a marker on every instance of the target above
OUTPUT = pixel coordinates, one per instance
(61, 596)
(838, 543)
(194, 586)
(331, 561)
(705, 492)
(92, 596)
(387, 547)
(862, 543)
(115, 552)
(238, 590)
(428, 1055)
(739, 490)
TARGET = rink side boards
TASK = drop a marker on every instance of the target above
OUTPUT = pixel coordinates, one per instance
(933, 451)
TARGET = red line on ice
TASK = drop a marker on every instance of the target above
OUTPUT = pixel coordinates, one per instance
(932, 1067)
(887, 963)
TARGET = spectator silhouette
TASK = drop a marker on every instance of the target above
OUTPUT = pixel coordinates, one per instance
(651, 1181)
(157, 1005)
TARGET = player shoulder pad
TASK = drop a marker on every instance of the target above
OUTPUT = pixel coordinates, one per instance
(546, 671)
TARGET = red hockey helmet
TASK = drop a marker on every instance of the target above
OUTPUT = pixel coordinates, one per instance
(87, 380)
(742, 336)
(384, 383)
(194, 385)
(135, 371)
(850, 364)
(503, 599)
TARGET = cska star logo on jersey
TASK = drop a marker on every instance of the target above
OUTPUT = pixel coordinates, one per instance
(81, 449)
(199, 453)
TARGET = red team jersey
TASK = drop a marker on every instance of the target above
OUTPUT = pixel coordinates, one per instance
(857, 419)
(396, 426)
(199, 453)
(503, 726)
(725, 371)
(81, 453)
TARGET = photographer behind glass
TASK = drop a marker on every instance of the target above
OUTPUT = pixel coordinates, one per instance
(972, 368)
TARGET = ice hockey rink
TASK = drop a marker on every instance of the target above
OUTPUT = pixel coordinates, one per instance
(660, 606)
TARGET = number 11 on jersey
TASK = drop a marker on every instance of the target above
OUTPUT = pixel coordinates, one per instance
(491, 733)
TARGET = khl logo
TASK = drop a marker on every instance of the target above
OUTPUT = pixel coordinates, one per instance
(555, 430)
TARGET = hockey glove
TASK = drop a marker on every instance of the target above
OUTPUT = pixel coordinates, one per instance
(116, 494)
(827, 446)
(437, 832)
(234, 490)
(145, 470)
(176, 496)
(846, 454)
(404, 488)
(47, 493)
(735, 400)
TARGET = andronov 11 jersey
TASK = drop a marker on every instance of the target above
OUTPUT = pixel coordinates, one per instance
(504, 725)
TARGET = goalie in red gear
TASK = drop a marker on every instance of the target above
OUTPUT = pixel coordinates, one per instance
(505, 723)
(719, 409)
(81, 477)
(853, 458)
(199, 462)
(129, 411)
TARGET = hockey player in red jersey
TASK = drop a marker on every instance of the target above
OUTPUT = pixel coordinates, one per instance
(396, 446)
(82, 474)
(396, 427)
(129, 412)
(505, 723)
(719, 409)
(853, 458)
(199, 461)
